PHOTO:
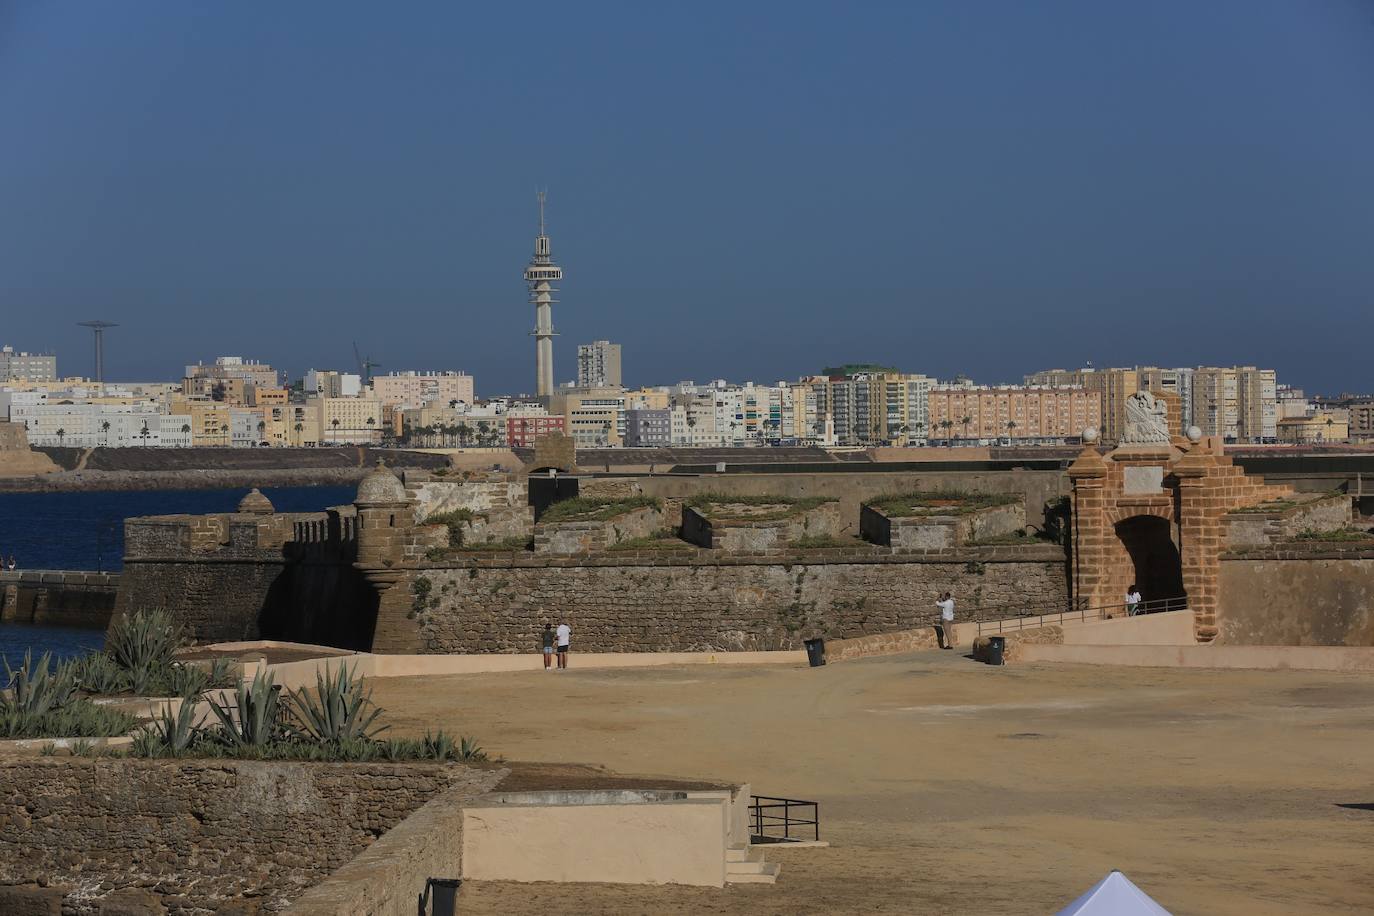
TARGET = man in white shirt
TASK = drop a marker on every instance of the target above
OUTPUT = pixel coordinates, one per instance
(1132, 601)
(563, 637)
(946, 606)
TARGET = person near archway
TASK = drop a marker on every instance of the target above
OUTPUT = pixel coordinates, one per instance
(1132, 600)
(946, 621)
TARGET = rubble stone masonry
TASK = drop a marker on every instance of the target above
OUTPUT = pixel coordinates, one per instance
(699, 601)
(198, 833)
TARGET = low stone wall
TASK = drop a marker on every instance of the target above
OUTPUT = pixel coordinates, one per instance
(1306, 594)
(702, 601)
(199, 833)
(896, 643)
(744, 536)
(1249, 530)
(940, 532)
(568, 538)
(65, 598)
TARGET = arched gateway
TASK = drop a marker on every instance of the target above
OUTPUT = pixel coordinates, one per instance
(1151, 512)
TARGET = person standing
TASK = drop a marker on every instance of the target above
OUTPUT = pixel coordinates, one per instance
(946, 606)
(548, 647)
(1132, 601)
(564, 640)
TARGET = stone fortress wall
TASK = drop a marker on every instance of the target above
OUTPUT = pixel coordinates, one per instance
(193, 835)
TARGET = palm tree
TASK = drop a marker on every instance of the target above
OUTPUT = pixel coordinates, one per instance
(966, 421)
(143, 434)
(105, 430)
(1011, 425)
(298, 427)
(335, 423)
(919, 427)
(946, 424)
(61, 434)
(463, 431)
(224, 431)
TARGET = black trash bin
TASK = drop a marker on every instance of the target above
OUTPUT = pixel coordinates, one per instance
(443, 894)
(815, 652)
(996, 646)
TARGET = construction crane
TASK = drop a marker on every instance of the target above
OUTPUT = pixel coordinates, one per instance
(365, 364)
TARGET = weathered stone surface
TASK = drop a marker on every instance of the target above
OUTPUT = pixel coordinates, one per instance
(31, 901)
(198, 834)
(703, 602)
(132, 902)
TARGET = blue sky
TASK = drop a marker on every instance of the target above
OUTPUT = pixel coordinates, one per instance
(744, 190)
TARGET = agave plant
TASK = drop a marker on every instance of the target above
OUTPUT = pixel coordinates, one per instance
(175, 733)
(439, 746)
(33, 691)
(187, 681)
(253, 719)
(470, 751)
(143, 641)
(98, 673)
(337, 711)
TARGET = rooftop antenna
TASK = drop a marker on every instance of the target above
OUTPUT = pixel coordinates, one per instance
(98, 327)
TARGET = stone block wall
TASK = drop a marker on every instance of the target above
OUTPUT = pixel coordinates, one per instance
(708, 601)
(744, 536)
(570, 538)
(195, 834)
(940, 532)
(64, 598)
(433, 495)
(1247, 530)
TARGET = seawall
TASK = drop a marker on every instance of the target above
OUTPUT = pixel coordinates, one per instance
(66, 598)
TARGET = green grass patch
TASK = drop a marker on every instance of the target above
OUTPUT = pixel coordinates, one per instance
(455, 520)
(1276, 505)
(503, 544)
(939, 502)
(594, 509)
(1341, 535)
(720, 507)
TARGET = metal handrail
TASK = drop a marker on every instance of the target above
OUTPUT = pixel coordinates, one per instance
(763, 822)
(1031, 621)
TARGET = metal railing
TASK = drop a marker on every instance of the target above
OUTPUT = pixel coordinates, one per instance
(764, 823)
(1029, 621)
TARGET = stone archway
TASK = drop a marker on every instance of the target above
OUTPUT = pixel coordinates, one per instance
(1131, 502)
(1155, 565)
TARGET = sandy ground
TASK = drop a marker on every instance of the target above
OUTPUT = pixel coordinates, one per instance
(951, 787)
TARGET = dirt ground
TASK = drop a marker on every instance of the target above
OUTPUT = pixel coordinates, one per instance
(951, 787)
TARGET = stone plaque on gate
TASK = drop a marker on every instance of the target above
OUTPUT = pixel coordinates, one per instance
(1142, 481)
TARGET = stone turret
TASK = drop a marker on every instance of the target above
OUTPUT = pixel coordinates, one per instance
(255, 503)
(385, 519)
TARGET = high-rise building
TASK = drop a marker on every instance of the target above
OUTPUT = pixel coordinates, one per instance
(252, 372)
(541, 274)
(598, 364)
(27, 367)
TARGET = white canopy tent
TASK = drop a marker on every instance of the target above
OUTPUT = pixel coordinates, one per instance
(1114, 895)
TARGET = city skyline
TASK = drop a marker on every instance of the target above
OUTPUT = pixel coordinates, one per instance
(1032, 174)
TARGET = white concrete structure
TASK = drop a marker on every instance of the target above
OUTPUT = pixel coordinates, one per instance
(541, 274)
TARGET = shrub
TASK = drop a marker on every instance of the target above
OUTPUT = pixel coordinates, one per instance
(144, 641)
(939, 502)
(338, 711)
(77, 719)
(455, 520)
(173, 734)
(98, 673)
(32, 691)
(254, 718)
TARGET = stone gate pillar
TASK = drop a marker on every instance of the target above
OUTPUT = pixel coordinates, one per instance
(1090, 524)
(1200, 510)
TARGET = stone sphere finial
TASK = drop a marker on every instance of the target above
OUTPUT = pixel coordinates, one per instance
(255, 503)
(1090, 435)
(1194, 435)
(381, 487)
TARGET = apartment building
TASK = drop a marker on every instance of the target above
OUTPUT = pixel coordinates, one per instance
(19, 365)
(326, 383)
(648, 428)
(988, 414)
(524, 431)
(236, 367)
(598, 365)
(417, 389)
(350, 420)
(1319, 428)
(593, 417)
